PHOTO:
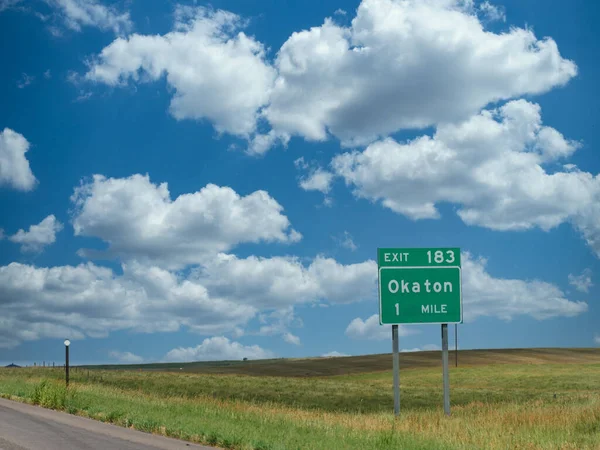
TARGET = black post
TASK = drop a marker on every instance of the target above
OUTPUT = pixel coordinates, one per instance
(67, 364)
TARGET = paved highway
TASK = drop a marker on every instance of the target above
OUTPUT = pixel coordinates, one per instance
(26, 427)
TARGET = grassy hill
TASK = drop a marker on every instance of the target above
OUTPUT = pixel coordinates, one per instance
(525, 399)
(315, 367)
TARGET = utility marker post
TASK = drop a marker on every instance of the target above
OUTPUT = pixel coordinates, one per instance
(445, 368)
(396, 367)
(67, 343)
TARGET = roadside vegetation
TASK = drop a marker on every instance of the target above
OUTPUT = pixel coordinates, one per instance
(517, 406)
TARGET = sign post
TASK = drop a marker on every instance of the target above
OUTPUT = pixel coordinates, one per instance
(445, 376)
(456, 343)
(396, 368)
(419, 286)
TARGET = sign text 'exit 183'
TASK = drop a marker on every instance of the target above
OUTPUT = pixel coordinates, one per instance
(419, 285)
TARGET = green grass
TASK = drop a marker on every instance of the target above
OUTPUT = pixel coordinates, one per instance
(531, 405)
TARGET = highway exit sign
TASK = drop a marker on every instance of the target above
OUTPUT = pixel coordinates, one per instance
(419, 285)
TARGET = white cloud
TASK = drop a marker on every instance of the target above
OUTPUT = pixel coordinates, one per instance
(126, 357)
(78, 13)
(492, 12)
(139, 220)
(334, 354)
(216, 349)
(346, 241)
(14, 167)
(484, 295)
(259, 144)
(490, 165)
(582, 282)
(217, 71)
(221, 297)
(25, 80)
(48, 74)
(38, 236)
(317, 180)
(278, 322)
(280, 282)
(400, 65)
(291, 339)
(73, 302)
(425, 348)
(597, 339)
(371, 329)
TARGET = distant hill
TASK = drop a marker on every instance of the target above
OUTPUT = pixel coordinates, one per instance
(323, 366)
(12, 365)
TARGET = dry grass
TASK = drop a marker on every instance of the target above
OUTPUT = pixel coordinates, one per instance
(549, 400)
(318, 367)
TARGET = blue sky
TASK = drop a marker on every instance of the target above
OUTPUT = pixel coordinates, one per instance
(212, 181)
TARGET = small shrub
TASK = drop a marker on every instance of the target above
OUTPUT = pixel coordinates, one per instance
(53, 395)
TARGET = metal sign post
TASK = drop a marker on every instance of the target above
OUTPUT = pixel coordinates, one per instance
(396, 367)
(456, 343)
(446, 378)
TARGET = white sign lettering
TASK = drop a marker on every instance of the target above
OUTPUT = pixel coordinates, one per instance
(406, 287)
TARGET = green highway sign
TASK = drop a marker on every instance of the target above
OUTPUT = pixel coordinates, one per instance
(419, 285)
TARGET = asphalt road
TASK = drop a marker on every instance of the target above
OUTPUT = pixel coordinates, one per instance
(26, 427)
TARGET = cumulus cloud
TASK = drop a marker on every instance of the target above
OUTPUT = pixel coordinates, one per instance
(140, 221)
(218, 348)
(76, 14)
(316, 179)
(38, 236)
(491, 165)
(582, 282)
(94, 301)
(484, 295)
(278, 322)
(399, 65)
(216, 71)
(597, 339)
(14, 166)
(278, 282)
(126, 357)
(220, 297)
(371, 329)
(404, 64)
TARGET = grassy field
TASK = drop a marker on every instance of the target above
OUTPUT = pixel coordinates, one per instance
(310, 367)
(542, 399)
